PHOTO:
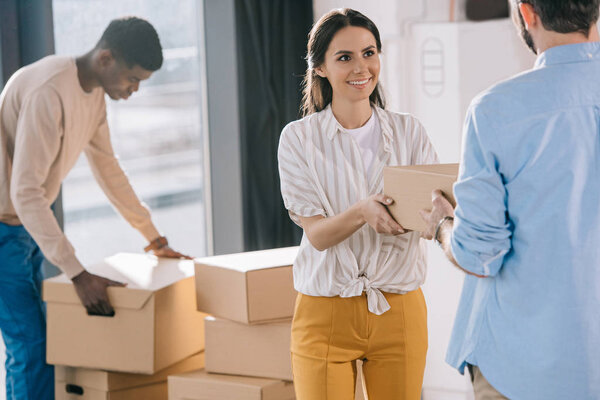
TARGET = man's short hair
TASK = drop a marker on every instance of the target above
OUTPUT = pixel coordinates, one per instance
(134, 41)
(566, 16)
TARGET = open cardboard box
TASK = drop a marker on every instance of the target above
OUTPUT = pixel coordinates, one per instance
(410, 186)
(155, 325)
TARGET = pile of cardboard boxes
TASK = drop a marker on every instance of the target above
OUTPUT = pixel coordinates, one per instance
(157, 335)
(251, 299)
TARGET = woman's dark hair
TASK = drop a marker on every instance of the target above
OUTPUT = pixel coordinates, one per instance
(317, 91)
(566, 16)
(134, 41)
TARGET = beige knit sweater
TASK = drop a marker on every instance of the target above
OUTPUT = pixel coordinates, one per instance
(46, 121)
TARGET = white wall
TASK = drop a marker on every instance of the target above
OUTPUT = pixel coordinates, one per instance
(393, 19)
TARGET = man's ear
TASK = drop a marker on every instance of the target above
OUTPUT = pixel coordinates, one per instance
(105, 58)
(530, 18)
(321, 72)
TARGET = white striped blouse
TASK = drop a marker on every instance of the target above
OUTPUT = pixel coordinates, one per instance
(322, 173)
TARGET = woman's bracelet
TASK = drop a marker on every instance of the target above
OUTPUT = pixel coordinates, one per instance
(439, 226)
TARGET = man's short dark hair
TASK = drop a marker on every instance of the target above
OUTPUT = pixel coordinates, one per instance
(566, 16)
(134, 41)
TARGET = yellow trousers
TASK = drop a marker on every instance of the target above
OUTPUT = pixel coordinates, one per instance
(330, 333)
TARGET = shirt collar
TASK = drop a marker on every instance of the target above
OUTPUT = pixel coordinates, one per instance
(333, 127)
(569, 53)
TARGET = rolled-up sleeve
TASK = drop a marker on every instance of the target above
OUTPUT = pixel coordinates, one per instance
(297, 189)
(481, 235)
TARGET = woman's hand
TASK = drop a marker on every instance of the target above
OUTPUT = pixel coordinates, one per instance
(375, 213)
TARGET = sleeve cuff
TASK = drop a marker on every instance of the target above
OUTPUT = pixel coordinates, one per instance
(71, 267)
(472, 263)
(149, 231)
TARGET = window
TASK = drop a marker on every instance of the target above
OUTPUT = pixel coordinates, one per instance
(156, 133)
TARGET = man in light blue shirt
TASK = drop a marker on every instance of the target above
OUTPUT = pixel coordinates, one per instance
(526, 228)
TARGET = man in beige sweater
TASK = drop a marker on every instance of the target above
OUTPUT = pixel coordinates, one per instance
(50, 112)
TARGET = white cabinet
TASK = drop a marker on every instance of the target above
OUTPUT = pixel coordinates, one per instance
(447, 65)
(450, 63)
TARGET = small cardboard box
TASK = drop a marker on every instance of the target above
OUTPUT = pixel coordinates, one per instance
(253, 287)
(90, 384)
(200, 385)
(155, 324)
(410, 186)
(250, 350)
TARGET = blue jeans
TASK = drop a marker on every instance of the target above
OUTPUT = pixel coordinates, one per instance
(23, 317)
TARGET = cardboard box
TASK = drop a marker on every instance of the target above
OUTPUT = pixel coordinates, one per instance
(155, 324)
(250, 350)
(89, 384)
(155, 391)
(253, 287)
(200, 385)
(411, 186)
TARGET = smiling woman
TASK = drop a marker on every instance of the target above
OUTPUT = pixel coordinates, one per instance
(358, 272)
(325, 47)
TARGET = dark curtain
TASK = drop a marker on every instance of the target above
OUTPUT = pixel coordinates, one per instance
(271, 37)
(26, 35)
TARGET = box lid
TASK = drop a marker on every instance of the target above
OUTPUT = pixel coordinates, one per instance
(226, 380)
(431, 169)
(249, 261)
(106, 380)
(144, 275)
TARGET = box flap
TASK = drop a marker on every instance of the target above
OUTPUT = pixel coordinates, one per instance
(226, 380)
(60, 290)
(144, 274)
(249, 261)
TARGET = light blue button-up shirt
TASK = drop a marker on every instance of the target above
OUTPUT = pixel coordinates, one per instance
(528, 217)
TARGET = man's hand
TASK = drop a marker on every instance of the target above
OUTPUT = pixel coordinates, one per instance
(91, 290)
(441, 208)
(378, 217)
(168, 252)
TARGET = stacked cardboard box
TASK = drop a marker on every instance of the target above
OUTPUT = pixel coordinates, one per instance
(252, 297)
(92, 384)
(156, 330)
